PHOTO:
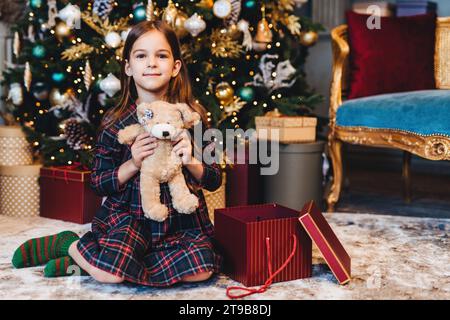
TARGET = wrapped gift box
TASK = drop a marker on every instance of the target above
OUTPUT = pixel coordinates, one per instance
(243, 185)
(14, 147)
(19, 190)
(66, 195)
(325, 239)
(386, 9)
(291, 129)
(241, 234)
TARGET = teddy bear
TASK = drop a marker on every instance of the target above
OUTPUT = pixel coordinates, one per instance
(164, 121)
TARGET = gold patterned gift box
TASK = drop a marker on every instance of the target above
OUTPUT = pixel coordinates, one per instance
(216, 199)
(19, 190)
(14, 147)
(291, 129)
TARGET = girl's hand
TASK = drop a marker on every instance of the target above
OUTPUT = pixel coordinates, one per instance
(143, 146)
(183, 147)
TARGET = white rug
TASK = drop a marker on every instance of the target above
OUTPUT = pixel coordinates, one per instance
(392, 258)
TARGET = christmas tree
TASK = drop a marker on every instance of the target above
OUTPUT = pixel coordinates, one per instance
(244, 57)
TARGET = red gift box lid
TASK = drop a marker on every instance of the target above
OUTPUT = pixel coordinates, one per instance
(325, 239)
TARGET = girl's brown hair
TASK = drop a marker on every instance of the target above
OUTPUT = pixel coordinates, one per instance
(179, 88)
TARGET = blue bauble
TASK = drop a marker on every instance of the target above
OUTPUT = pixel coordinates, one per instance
(139, 13)
(250, 4)
(246, 93)
(58, 76)
(35, 4)
(38, 51)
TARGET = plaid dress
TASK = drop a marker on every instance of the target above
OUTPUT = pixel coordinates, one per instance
(125, 243)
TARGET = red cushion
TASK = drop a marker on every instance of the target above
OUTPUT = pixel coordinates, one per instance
(398, 57)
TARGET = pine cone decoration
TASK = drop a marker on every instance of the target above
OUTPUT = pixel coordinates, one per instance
(103, 8)
(76, 135)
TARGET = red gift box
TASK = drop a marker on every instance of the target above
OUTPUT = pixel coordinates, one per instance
(329, 245)
(241, 234)
(66, 195)
(243, 185)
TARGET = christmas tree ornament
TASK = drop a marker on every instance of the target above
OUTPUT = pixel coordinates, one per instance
(274, 77)
(246, 93)
(179, 28)
(124, 34)
(35, 4)
(16, 46)
(56, 98)
(234, 106)
(113, 39)
(170, 13)
(40, 91)
(233, 17)
(225, 93)
(27, 77)
(71, 15)
(205, 4)
(150, 11)
(139, 13)
(263, 32)
(52, 13)
(75, 133)
(38, 51)
(250, 4)
(309, 38)
(222, 8)
(247, 41)
(110, 85)
(58, 77)
(15, 94)
(87, 75)
(102, 8)
(62, 30)
(195, 25)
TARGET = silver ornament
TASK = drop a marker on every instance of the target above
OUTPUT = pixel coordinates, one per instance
(195, 25)
(110, 85)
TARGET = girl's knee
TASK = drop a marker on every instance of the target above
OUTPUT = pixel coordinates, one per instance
(104, 277)
(198, 277)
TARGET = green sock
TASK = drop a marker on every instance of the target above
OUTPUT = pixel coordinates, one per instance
(39, 251)
(62, 267)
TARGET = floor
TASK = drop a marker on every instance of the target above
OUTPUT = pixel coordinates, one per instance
(393, 257)
(373, 184)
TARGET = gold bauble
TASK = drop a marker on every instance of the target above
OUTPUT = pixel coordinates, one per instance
(150, 11)
(180, 30)
(225, 93)
(170, 14)
(309, 38)
(62, 30)
(263, 32)
(87, 75)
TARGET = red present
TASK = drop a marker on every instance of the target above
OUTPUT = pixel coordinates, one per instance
(241, 234)
(243, 185)
(329, 245)
(66, 195)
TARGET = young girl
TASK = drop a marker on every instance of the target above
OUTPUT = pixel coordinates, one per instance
(124, 245)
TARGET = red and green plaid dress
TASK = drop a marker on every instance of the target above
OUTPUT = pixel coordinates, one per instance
(125, 243)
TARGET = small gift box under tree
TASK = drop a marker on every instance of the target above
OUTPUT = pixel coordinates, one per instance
(66, 195)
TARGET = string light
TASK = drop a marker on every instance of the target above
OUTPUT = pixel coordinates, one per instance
(52, 157)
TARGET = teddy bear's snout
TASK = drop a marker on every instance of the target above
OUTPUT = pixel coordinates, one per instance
(163, 131)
